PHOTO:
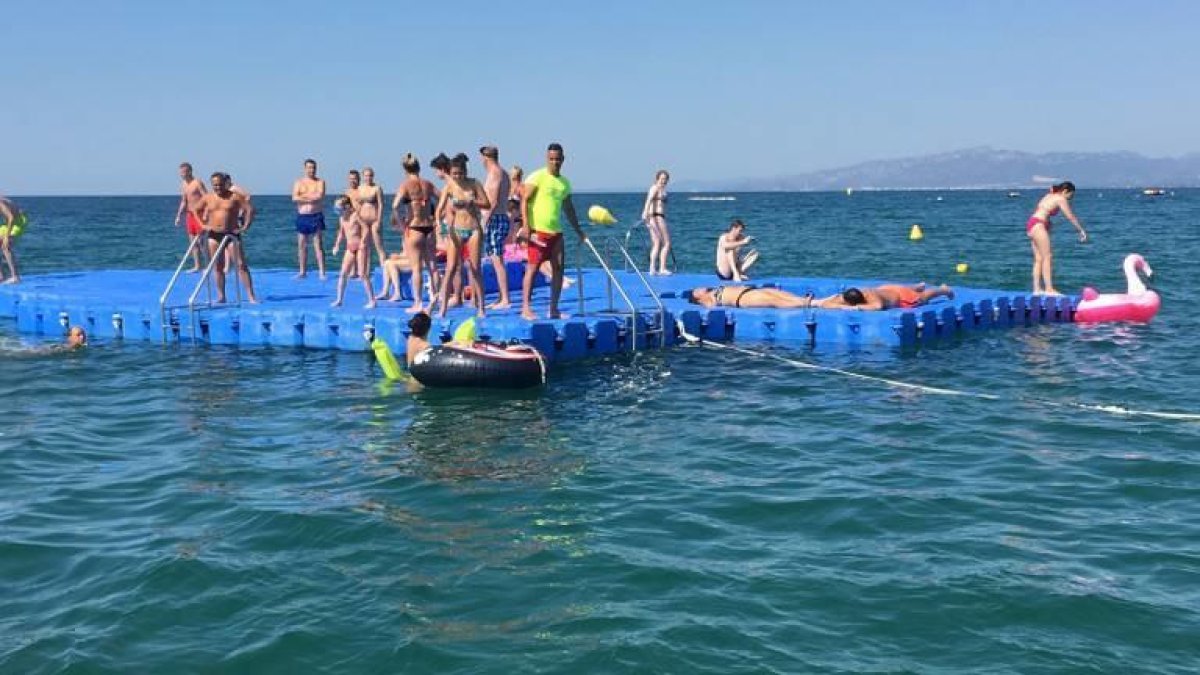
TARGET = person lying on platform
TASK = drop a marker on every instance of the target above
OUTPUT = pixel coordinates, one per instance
(747, 297)
(888, 296)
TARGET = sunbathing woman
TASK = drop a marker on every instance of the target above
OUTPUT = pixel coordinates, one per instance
(889, 296)
(747, 297)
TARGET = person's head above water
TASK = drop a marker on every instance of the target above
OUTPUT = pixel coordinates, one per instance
(853, 297)
(419, 325)
(76, 337)
(736, 224)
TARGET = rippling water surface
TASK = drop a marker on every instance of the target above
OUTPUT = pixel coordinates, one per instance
(177, 509)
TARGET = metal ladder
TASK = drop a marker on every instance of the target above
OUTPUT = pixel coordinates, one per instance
(659, 328)
(201, 284)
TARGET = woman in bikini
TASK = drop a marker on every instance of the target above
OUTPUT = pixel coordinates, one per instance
(890, 296)
(654, 214)
(353, 231)
(747, 297)
(417, 195)
(1037, 228)
(466, 197)
(368, 201)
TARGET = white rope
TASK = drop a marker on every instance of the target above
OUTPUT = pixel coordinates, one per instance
(1108, 409)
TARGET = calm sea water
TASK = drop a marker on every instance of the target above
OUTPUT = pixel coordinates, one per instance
(178, 509)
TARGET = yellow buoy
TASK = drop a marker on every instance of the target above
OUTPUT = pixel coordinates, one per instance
(600, 215)
(915, 234)
(962, 268)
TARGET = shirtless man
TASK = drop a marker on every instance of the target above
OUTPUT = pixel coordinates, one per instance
(496, 227)
(888, 296)
(227, 213)
(191, 193)
(732, 261)
(309, 194)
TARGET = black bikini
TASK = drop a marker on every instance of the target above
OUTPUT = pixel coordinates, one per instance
(737, 301)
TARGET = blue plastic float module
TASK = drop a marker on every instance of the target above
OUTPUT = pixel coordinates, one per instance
(296, 313)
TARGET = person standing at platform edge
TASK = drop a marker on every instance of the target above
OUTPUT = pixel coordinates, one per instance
(191, 193)
(546, 198)
(14, 222)
(309, 194)
(227, 215)
(495, 218)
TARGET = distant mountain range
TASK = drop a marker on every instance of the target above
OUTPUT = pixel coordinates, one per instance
(983, 168)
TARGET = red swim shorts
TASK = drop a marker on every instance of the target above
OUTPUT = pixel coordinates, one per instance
(194, 226)
(542, 245)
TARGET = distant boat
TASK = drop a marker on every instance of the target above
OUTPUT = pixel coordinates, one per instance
(712, 198)
(1154, 192)
(849, 191)
(1014, 193)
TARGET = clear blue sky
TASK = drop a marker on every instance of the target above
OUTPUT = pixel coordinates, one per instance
(108, 97)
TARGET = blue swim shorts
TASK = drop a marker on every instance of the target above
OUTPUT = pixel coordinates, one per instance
(310, 223)
(494, 234)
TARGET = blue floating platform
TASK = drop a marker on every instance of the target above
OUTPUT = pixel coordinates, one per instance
(124, 304)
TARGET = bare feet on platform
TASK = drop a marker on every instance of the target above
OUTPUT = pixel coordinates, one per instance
(528, 315)
(415, 309)
(336, 303)
(500, 305)
(302, 275)
(369, 305)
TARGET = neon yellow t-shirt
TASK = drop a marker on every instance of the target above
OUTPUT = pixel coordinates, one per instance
(546, 210)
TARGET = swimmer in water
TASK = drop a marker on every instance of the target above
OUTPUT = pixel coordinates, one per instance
(418, 338)
(75, 339)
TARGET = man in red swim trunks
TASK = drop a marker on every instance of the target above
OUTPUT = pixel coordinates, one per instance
(888, 296)
(191, 194)
(544, 201)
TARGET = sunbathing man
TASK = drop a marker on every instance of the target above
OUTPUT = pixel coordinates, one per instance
(880, 297)
(888, 296)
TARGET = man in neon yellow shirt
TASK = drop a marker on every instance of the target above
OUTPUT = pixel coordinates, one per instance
(544, 201)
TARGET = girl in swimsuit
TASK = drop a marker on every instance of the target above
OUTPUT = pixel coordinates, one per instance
(353, 231)
(467, 197)
(654, 214)
(417, 195)
(1037, 228)
(369, 204)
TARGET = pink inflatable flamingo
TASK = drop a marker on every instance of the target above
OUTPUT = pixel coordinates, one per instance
(1138, 304)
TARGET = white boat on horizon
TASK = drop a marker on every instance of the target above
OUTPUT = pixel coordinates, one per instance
(1154, 192)
(712, 198)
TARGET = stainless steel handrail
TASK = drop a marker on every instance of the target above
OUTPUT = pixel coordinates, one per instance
(162, 299)
(201, 283)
